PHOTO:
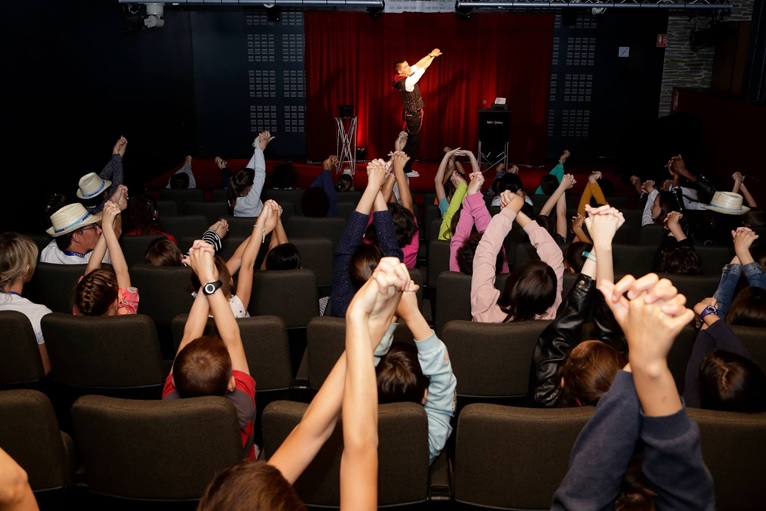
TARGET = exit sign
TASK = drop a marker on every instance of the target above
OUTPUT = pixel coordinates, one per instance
(662, 40)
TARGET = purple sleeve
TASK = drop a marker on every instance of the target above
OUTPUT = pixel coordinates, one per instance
(324, 181)
(342, 289)
(384, 228)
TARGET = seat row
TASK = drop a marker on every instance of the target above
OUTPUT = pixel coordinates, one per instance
(505, 457)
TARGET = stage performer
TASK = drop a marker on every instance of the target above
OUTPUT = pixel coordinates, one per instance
(406, 82)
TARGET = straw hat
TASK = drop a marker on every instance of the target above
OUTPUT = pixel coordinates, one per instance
(728, 203)
(70, 218)
(91, 185)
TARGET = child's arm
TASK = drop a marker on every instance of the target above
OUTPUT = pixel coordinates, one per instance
(651, 316)
(15, 492)
(466, 221)
(435, 364)
(263, 226)
(440, 173)
(557, 171)
(567, 182)
(445, 229)
(202, 263)
(97, 254)
(119, 264)
(197, 319)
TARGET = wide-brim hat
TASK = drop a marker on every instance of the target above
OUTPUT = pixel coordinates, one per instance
(728, 203)
(70, 218)
(91, 185)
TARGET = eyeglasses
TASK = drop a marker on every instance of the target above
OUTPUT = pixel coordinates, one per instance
(89, 228)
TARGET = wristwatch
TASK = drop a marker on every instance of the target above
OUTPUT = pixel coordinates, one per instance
(211, 287)
(708, 310)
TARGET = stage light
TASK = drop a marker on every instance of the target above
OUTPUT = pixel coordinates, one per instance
(462, 12)
(376, 12)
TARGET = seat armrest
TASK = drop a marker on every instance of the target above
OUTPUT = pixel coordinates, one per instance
(439, 478)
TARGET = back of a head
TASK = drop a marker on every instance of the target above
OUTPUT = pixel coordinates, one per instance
(748, 308)
(250, 486)
(668, 201)
(18, 258)
(315, 202)
(345, 183)
(284, 175)
(732, 383)
(283, 257)
(509, 181)
(588, 372)
(140, 214)
(546, 222)
(400, 377)
(549, 183)
(467, 252)
(163, 252)
(681, 261)
(573, 259)
(529, 291)
(363, 263)
(238, 184)
(404, 223)
(96, 292)
(179, 181)
(202, 368)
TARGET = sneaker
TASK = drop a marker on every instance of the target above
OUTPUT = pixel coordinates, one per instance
(413, 173)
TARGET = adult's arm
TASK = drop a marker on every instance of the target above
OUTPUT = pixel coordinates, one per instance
(646, 216)
(325, 182)
(342, 288)
(113, 170)
(384, 228)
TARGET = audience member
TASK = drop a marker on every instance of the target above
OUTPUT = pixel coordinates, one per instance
(471, 225)
(163, 252)
(141, 218)
(283, 257)
(547, 183)
(183, 177)
(739, 187)
(348, 390)
(106, 291)
(402, 212)
(319, 200)
(443, 177)
(575, 255)
(420, 374)
(641, 407)
(75, 233)
(354, 260)
(213, 366)
(723, 214)
(18, 260)
(242, 262)
(721, 373)
(565, 371)
(95, 189)
(245, 187)
(533, 289)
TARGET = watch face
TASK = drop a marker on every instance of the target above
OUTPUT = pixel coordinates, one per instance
(211, 287)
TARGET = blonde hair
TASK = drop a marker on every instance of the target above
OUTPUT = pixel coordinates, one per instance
(18, 258)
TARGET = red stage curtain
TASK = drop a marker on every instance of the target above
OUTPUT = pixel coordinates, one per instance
(349, 61)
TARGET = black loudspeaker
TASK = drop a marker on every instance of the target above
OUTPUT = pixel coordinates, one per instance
(494, 127)
(346, 110)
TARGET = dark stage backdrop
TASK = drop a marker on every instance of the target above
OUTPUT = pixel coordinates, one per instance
(349, 61)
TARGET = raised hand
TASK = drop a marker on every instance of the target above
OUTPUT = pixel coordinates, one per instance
(651, 316)
(120, 146)
(511, 200)
(514, 169)
(436, 52)
(477, 180)
(564, 156)
(120, 197)
(380, 295)
(594, 176)
(567, 181)
(457, 179)
(743, 240)
(263, 139)
(603, 222)
(377, 170)
(220, 163)
(648, 186)
(400, 159)
(201, 260)
(220, 227)
(330, 162)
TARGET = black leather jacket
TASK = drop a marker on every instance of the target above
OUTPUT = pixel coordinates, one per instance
(564, 333)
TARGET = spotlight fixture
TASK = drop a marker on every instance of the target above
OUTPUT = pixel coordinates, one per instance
(463, 12)
(377, 11)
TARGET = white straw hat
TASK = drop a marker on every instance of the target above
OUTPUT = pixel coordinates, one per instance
(728, 203)
(91, 185)
(70, 218)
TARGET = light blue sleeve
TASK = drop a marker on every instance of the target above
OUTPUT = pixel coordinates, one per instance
(443, 206)
(251, 204)
(441, 399)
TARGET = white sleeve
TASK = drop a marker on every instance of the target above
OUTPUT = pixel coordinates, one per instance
(646, 217)
(410, 81)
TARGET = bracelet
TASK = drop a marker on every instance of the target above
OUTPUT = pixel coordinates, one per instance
(263, 231)
(590, 256)
(431, 56)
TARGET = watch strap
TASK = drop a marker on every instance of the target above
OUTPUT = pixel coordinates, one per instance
(708, 311)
